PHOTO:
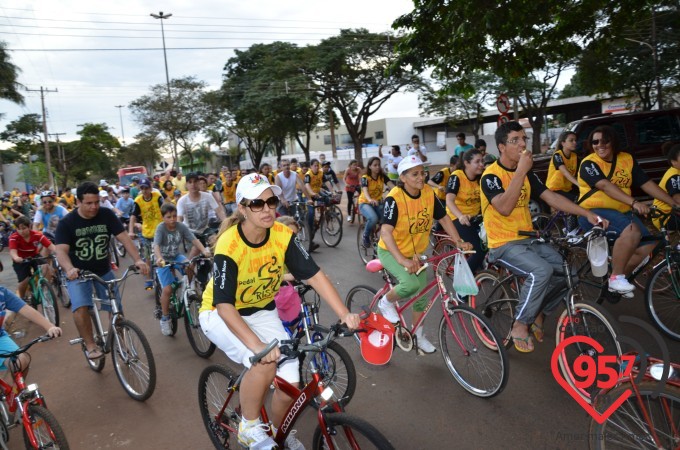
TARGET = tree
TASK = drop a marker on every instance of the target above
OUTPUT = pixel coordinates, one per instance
(180, 117)
(143, 152)
(9, 86)
(628, 56)
(26, 135)
(356, 71)
(90, 156)
(445, 99)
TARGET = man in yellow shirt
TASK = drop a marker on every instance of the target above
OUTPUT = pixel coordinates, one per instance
(507, 185)
(180, 182)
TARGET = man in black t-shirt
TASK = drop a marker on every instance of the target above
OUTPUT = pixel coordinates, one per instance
(82, 240)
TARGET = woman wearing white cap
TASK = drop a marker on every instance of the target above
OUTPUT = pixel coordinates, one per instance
(410, 212)
(238, 312)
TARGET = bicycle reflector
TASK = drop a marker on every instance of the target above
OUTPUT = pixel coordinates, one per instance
(378, 339)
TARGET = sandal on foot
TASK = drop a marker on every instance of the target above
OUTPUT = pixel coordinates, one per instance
(525, 341)
(94, 355)
(537, 331)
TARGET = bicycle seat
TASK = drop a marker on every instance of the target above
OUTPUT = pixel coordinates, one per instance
(374, 266)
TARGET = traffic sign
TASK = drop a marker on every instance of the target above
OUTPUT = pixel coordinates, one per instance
(503, 118)
(503, 103)
(164, 165)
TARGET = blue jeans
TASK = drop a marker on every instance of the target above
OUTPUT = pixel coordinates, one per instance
(373, 215)
(618, 221)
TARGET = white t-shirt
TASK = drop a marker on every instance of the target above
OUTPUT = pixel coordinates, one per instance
(288, 186)
(393, 163)
(197, 214)
(412, 150)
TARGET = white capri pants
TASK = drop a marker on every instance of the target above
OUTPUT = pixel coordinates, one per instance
(265, 324)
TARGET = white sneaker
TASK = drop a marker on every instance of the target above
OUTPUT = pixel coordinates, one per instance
(388, 310)
(630, 294)
(166, 327)
(620, 285)
(425, 347)
(292, 443)
(255, 436)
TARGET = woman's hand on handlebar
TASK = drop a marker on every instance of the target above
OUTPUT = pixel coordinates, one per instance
(465, 246)
(411, 265)
(640, 208)
(352, 320)
(597, 221)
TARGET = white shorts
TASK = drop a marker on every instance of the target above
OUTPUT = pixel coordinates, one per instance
(265, 324)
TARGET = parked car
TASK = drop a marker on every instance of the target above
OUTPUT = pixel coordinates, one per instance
(645, 135)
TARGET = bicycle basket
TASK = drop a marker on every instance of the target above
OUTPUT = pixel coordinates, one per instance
(336, 198)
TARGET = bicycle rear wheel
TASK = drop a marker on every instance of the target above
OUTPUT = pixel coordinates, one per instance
(349, 432)
(497, 302)
(46, 430)
(366, 253)
(48, 302)
(133, 360)
(331, 226)
(202, 346)
(217, 386)
(592, 321)
(480, 368)
(662, 299)
(545, 223)
(336, 367)
(627, 427)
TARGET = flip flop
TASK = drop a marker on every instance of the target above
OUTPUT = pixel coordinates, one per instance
(94, 355)
(538, 332)
(526, 341)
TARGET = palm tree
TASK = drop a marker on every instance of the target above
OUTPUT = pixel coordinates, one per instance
(203, 153)
(9, 87)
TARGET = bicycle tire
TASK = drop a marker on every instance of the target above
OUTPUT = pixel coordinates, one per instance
(48, 302)
(444, 246)
(359, 299)
(59, 285)
(496, 302)
(336, 367)
(331, 226)
(213, 385)
(627, 427)
(134, 365)
(593, 321)
(662, 299)
(481, 369)
(46, 429)
(346, 430)
(120, 248)
(113, 255)
(546, 223)
(366, 254)
(199, 342)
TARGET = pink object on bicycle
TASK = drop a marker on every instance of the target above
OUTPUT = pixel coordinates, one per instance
(288, 303)
(378, 339)
(374, 265)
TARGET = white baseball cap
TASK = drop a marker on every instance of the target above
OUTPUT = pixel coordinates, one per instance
(252, 185)
(103, 183)
(103, 194)
(408, 163)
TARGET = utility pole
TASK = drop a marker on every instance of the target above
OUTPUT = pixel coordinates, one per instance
(334, 151)
(60, 154)
(48, 159)
(122, 132)
(655, 59)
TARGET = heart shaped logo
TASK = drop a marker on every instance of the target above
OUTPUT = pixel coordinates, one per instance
(557, 374)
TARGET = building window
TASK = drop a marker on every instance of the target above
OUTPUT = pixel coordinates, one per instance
(327, 139)
(379, 135)
(345, 139)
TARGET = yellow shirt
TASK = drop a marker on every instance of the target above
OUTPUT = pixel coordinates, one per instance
(375, 188)
(556, 180)
(446, 172)
(70, 201)
(670, 182)
(181, 184)
(622, 178)
(414, 221)
(229, 192)
(502, 229)
(315, 181)
(467, 194)
(150, 212)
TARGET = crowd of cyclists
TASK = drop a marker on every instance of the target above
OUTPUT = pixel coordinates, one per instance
(252, 250)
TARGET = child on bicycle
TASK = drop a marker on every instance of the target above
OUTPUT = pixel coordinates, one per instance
(670, 183)
(239, 314)
(10, 302)
(26, 243)
(167, 241)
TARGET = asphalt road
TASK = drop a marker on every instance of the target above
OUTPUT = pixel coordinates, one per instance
(413, 400)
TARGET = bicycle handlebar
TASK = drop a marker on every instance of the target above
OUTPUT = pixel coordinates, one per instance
(25, 347)
(87, 275)
(181, 264)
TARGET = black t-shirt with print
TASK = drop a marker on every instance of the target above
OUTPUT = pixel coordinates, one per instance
(88, 239)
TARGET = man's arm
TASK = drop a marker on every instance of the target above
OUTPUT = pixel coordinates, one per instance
(65, 261)
(562, 203)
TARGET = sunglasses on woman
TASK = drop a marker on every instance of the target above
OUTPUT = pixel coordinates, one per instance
(257, 205)
(598, 141)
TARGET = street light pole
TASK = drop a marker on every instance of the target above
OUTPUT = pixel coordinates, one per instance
(122, 132)
(162, 16)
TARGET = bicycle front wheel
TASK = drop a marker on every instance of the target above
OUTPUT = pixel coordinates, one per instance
(348, 432)
(592, 321)
(48, 302)
(464, 337)
(331, 226)
(217, 389)
(366, 253)
(336, 368)
(45, 429)
(133, 360)
(637, 421)
(497, 302)
(202, 346)
(662, 299)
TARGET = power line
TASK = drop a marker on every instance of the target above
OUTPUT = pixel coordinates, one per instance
(174, 37)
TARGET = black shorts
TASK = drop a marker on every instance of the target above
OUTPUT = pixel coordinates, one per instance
(23, 270)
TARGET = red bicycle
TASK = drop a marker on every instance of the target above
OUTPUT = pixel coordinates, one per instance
(24, 405)
(218, 400)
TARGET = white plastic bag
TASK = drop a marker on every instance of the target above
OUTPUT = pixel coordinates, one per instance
(463, 278)
(482, 236)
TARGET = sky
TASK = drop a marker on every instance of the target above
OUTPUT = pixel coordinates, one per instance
(100, 55)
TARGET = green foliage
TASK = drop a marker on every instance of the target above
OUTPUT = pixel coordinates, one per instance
(35, 174)
(143, 152)
(26, 135)
(9, 86)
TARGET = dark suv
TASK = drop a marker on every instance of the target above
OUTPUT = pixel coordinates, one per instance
(645, 135)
